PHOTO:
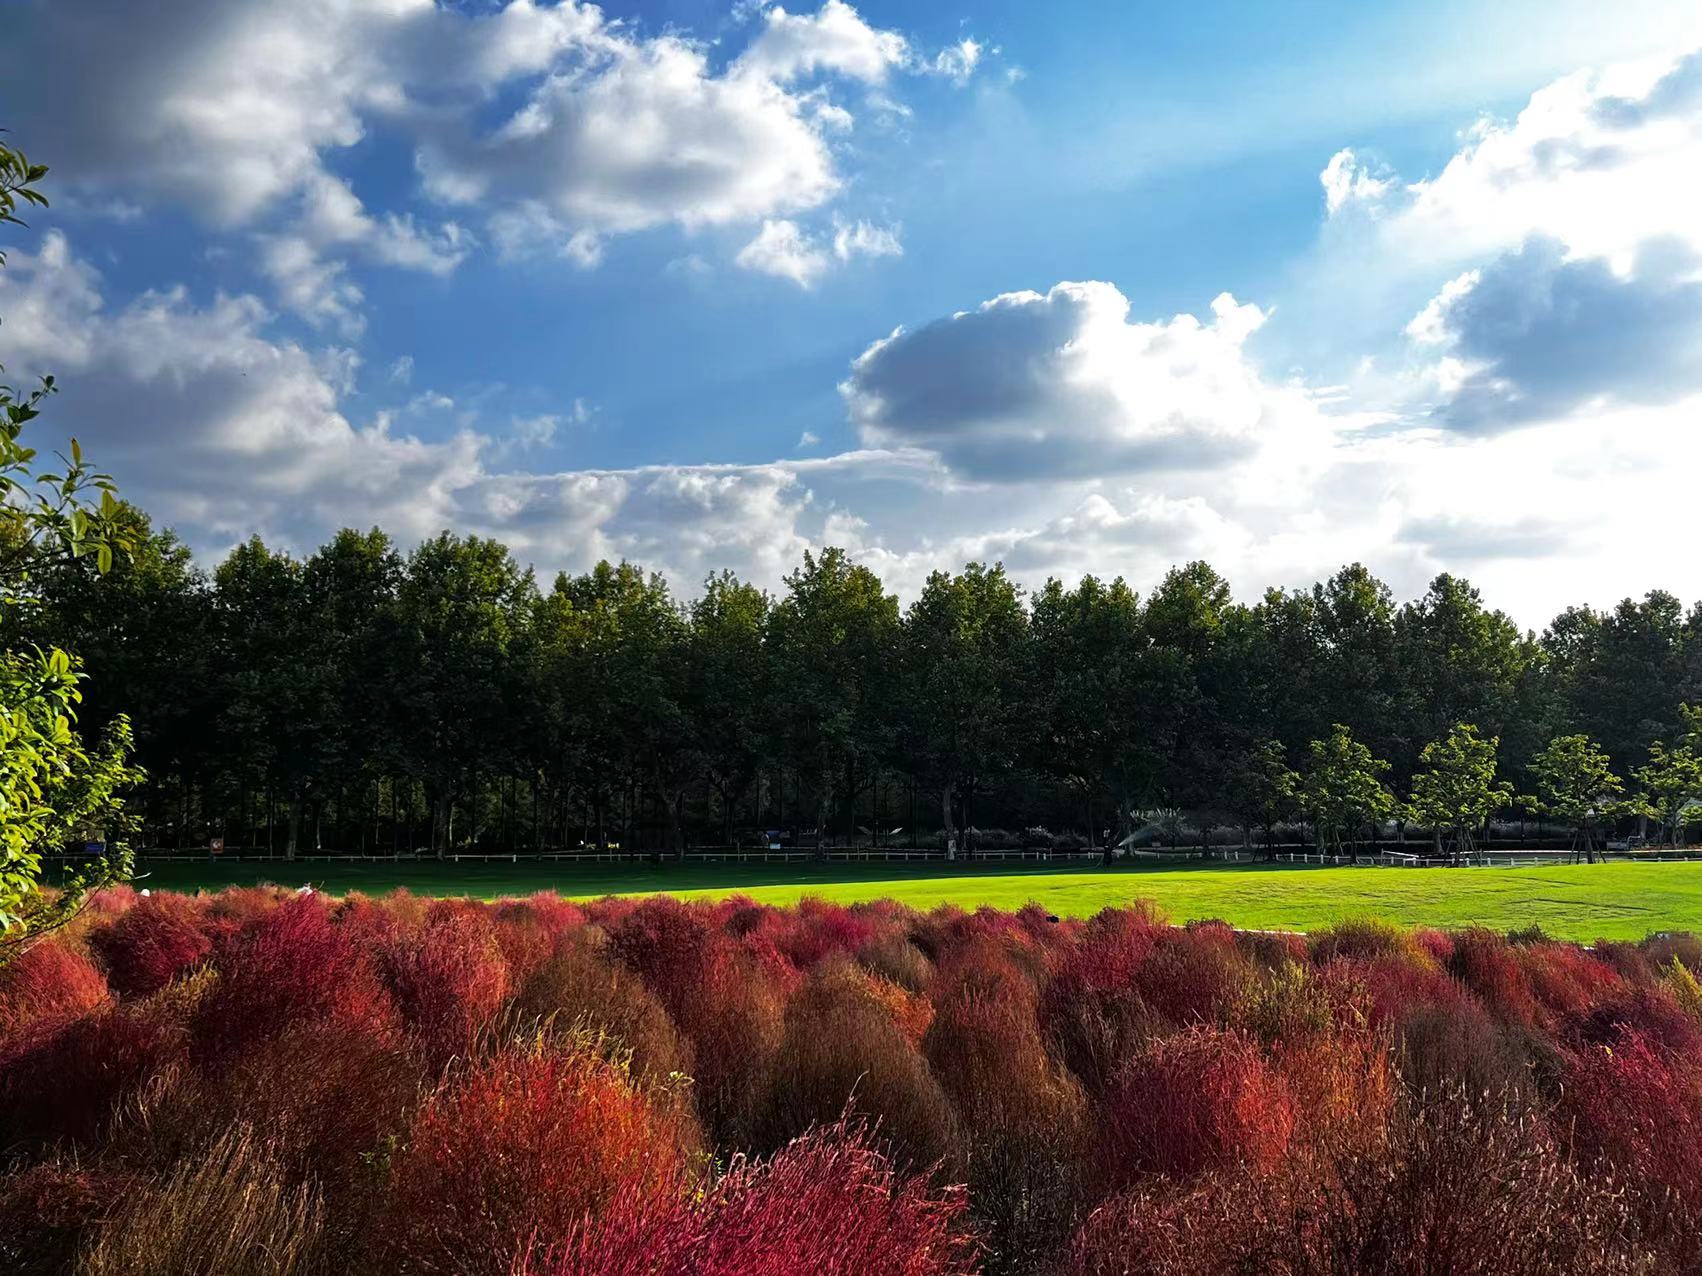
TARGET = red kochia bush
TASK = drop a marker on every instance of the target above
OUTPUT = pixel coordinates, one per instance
(725, 1003)
(148, 946)
(1638, 1107)
(530, 1143)
(48, 978)
(826, 1205)
(448, 979)
(1192, 1102)
(287, 967)
(62, 1077)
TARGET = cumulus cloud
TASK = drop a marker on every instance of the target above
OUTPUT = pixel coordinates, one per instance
(1536, 335)
(1063, 384)
(1550, 267)
(233, 110)
(220, 429)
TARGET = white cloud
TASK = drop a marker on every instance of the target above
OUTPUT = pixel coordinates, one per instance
(834, 39)
(958, 62)
(1346, 180)
(786, 250)
(1030, 386)
(232, 110)
(781, 248)
(221, 430)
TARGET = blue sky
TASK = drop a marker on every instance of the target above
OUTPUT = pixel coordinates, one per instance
(1282, 286)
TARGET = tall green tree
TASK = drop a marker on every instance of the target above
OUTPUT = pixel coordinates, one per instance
(1342, 790)
(1455, 791)
(964, 643)
(461, 604)
(1085, 680)
(830, 640)
(1261, 790)
(1671, 780)
(1575, 784)
(727, 687)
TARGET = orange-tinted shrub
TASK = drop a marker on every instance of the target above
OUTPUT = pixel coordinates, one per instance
(49, 978)
(581, 988)
(843, 1051)
(527, 1144)
(1199, 1100)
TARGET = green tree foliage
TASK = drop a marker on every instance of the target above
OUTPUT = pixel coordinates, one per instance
(1671, 780)
(1260, 789)
(1575, 784)
(1342, 790)
(1455, 792)
(52, 787)
(830, 639)
(964, 642)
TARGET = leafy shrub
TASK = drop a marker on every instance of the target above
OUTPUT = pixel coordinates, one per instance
(1461, 1050)
(579, 988)
(893, 957)
(289, 966)
(449, 979)
(719, 998)
(46, 1209)
(63, 1077)
(1636, 1107)
(827, 1204)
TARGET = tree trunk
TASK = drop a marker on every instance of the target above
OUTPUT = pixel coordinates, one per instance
(946, 822)
(295, 826)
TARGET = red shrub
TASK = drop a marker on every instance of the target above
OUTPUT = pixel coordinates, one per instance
(288, 967)
(1650, 1013)
(1395, 986)
(448, 979)
(1190, 1103)
(1566, 980)
(828, 1205)
(1490, 967)
(580, 988)
(1439, 944)
(148, 946)
(1092, 1010)
(325, 1095)
(985, 1047)
(64, 1077)
(529, 1144)
(842, 1050)
(1449, 1049)
(718, 996)
(1194, 976)
(1638, 1108)
(816, 930)
(46, 1209)
(50, 978)
(1166, 1228)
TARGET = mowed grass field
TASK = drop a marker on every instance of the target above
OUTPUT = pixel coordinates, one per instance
(1580, 902)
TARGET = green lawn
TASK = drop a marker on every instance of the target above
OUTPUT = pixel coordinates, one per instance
(1584, 902)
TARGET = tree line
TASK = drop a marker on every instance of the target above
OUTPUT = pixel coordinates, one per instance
(369, 700)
